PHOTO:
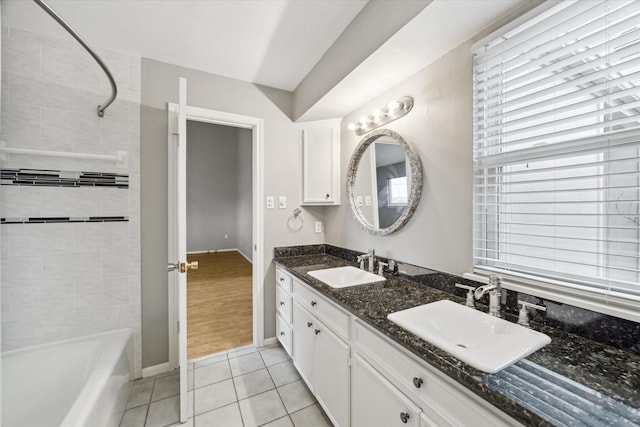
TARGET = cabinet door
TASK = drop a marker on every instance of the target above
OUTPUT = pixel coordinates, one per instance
(303, 343)
(377, 403)
(332, 374)
(321, 162)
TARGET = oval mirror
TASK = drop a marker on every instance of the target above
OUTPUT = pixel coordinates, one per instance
(384, 182)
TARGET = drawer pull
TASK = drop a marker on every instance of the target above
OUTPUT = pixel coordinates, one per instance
(282, 279)
(417, 382)
(313, 303)
(404, 417)
(281, 333)
(281, 302)
(317, 331)
(309, 324)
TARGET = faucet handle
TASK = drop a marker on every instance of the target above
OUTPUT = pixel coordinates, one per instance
(523, 317)
(470, 297)
(381, 266)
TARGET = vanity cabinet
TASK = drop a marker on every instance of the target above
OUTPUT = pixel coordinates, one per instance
(320, 162)
(321, 356)
(284, 307)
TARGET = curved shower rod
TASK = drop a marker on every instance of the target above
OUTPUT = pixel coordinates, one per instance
(114, 88)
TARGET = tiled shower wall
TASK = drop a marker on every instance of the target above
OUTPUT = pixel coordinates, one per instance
(79, 274)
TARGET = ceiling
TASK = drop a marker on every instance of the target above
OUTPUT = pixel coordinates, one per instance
(274, 43)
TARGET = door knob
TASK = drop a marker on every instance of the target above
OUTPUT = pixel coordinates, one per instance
(184, 266)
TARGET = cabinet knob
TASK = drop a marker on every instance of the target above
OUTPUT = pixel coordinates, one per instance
(281, 302)
(317, 331)
(281, 333)
(404, 417)
(417, 382)
(327, 196)
(282, 279)
(313, 303)
(309, 324)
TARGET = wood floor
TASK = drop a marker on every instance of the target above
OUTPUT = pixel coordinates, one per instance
(219, 303)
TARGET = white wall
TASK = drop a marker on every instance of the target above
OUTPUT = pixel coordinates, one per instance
(439, 127)
(281, 177)
(69, 279)
(244, 181)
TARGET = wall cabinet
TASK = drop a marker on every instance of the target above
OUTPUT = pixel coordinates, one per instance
(320, 162)
(321, 356)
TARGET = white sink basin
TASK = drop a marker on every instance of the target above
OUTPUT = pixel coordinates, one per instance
(485, 342)
(343, 277)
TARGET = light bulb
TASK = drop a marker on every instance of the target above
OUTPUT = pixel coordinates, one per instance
(363, 121)
(393, 106)
(352, 126)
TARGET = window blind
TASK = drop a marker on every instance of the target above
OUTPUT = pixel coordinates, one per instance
(556, 116)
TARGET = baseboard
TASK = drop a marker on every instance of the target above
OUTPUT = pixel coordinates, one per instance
(211, 251)
(155, 370)
(269, 341)
(245, 257)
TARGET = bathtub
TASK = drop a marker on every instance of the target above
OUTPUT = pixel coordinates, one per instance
(72, 383)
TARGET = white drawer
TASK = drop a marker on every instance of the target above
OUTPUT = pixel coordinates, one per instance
(284, 334)
(432, 390)
(283, 279)
(334, 317)
(284, 304)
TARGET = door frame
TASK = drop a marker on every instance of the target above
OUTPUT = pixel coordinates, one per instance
(256, 124)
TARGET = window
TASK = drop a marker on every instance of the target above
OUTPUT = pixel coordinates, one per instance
(557, 152)
(398, 191)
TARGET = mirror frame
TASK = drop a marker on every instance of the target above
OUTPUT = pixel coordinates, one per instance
(414, 192)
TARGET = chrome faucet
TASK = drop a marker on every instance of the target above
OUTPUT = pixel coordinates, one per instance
(495, 294)
(371, 256)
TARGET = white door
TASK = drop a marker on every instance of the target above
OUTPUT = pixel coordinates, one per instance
(178, 253)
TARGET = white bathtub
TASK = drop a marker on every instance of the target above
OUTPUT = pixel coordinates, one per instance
(72, 383)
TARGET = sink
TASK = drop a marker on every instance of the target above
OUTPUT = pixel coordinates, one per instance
(485, 342)
(343, 277)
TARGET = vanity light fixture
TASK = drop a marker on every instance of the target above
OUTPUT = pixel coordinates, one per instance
(380, 117)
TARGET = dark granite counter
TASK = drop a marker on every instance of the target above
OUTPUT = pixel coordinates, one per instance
(571, 381)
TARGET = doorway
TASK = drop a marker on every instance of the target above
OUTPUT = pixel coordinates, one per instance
(219, 237)
(177, 299)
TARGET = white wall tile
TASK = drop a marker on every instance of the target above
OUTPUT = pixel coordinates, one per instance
(72, 268)
(59, 63)
(65, 130)
(20, 57)
(115, 264)
(103, 293)
(6, 305)
(39, 239)
(83, 321)
(21, 270)
(29, 303)
(4, 239)
(18, 334)
(114, 201)
(116, 317)
(21, 201)
(36, 92)
(20, 124)
(41, 39)
(100, 236)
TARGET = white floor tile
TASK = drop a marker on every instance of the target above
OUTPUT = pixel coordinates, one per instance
(140, 393)
(188, 423)
(214, 396)
(213, 373)
(244, 364)
(191, 379)
(280, 422)
(274, 355)
(253, 383)
(261, 409)
(227, 416)
(312, 416)
(296, 396)
(241, 351)
(135, 417)
(283, 373)
(166, 387)
(164, 412)
(208, 360)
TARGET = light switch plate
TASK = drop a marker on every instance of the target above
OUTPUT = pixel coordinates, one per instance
(367, 200)
(359, 200)
(271, 201)
(282, 202)
(318, 226)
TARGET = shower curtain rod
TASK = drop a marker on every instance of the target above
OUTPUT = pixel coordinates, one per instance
(114, 89)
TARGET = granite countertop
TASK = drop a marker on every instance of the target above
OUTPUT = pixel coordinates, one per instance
(571, 381)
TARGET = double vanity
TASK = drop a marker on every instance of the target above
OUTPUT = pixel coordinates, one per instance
(380, 350)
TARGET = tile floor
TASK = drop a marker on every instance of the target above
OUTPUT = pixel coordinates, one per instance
(245, 387)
